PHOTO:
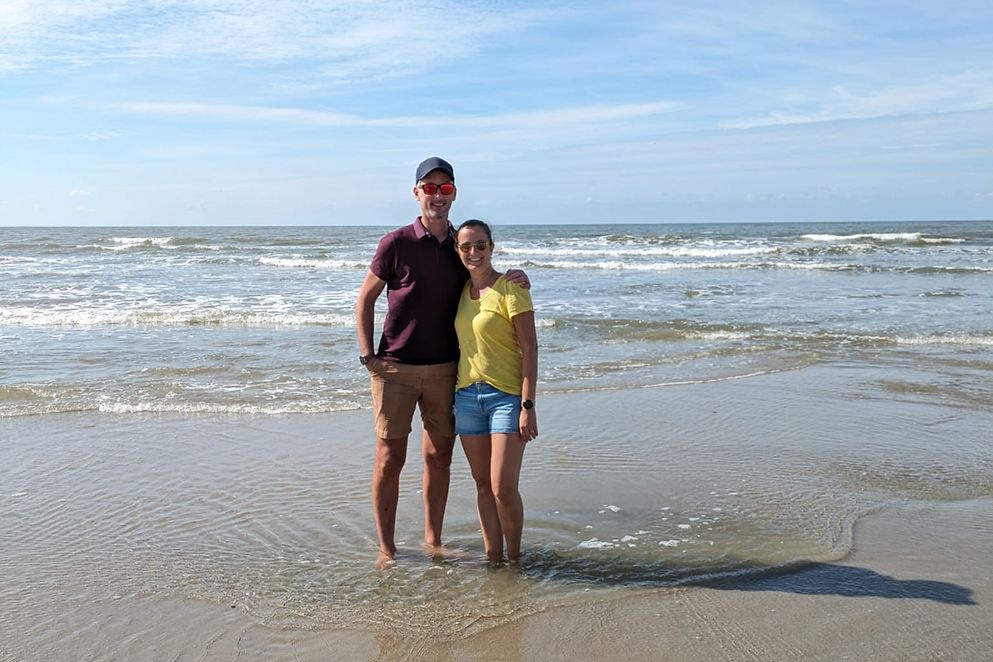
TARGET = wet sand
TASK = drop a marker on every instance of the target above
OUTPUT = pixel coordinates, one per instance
(108, 553)
(917, 587)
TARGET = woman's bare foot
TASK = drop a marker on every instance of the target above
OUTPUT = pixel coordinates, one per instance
(442, 552)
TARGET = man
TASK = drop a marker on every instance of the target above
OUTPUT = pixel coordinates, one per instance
(417, 359)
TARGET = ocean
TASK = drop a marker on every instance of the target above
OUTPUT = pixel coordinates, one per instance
(260, 320)
(185, 428)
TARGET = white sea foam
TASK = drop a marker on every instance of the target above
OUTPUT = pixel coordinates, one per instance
(812, 266)
(941, 240)
(124, 243)
(882, 237)
(18, 259)
(308, 263)
(595, 543)
(63, 403)
(724, 252)
(637, 252)
(128, 244)
(717, 335)
(949, 269)
(110, 317)
(230, 408)
(867, 236)
(694, 266)
(622, 266)
(953, 339)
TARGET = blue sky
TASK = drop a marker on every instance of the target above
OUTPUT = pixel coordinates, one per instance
(228, 112)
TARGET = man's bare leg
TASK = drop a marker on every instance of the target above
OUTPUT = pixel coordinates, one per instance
(391, 454)
(437, 450)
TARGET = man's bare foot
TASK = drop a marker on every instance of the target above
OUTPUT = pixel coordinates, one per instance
(386, 560)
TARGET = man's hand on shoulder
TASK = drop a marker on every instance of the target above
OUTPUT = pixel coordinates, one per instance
(518, 277)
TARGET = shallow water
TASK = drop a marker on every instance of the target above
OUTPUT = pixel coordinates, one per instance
(640, 489)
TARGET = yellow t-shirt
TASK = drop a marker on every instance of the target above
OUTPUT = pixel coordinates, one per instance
(488, 347)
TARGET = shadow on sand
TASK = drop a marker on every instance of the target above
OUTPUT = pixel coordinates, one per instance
(849, 581)
(805, 578)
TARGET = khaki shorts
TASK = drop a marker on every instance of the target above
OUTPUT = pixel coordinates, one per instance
(398, 387)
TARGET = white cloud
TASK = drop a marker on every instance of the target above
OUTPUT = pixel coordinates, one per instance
(99, 136)
(78, 193)
(497, 134)
(556, 117)
(971, 90)
(231, 112)
(340, 40)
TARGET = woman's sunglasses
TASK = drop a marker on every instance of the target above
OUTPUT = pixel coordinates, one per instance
(480, 245)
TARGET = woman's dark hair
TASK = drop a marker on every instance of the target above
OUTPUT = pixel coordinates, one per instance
(476, 223)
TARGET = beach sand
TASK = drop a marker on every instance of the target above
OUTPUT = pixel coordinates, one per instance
(98, 565)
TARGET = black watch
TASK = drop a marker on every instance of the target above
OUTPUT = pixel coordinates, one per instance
(365, 359)
(528, 404)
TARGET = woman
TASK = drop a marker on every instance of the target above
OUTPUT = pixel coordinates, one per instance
(495, 390)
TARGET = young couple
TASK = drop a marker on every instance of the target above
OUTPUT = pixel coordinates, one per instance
(457, 333)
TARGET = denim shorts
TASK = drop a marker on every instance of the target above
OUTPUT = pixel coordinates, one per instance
(483, 409)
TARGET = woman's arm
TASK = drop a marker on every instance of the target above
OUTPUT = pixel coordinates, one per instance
(527, 338)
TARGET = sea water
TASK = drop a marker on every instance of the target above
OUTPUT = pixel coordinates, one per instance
(182, 415)
(260, 320)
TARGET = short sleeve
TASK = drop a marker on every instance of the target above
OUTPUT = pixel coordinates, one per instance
(384, 261)
(517, 300)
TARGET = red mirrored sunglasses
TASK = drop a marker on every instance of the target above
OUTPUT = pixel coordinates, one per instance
(445, 189)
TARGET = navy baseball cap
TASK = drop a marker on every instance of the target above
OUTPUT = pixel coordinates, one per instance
(434, 163)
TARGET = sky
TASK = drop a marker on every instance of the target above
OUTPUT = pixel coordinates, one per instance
(316, 112)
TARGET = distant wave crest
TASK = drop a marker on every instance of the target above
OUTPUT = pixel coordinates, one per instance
(619, 265)
(883, 237)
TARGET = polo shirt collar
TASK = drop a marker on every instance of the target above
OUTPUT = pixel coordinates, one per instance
(421, 232)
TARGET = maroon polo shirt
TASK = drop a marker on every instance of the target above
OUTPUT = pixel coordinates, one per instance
(424, 280)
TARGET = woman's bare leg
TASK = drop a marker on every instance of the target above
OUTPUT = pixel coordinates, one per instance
(505, 473)
(477, 450)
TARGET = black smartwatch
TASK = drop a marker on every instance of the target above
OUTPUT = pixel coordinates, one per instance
(365, 359)
(528, 404)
